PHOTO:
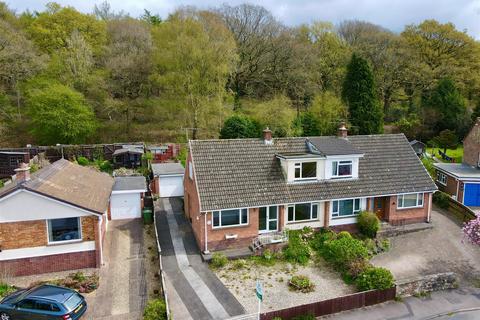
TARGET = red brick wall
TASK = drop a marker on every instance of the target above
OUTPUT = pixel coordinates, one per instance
(450, 188)
(192, 206)
(404, 216)
(245, 234)
(46, 264)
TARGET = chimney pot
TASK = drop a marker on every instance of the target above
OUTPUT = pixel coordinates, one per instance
(22, 173)
(267, 136)
(342, 131)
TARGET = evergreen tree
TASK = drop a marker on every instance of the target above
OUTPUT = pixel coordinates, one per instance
(239, 126)
(310, 125)
(359, 93)
(450, 105)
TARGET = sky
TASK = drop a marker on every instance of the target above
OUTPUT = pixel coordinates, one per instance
(392, 14)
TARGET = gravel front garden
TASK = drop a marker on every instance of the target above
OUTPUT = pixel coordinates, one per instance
(277, 294)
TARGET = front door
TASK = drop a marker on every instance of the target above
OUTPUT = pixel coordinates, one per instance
(379, 207)
(268, 219)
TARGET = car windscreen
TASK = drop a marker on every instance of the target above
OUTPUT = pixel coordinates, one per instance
(73, 301)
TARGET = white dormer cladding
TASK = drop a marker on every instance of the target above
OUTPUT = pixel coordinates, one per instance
(336, 167)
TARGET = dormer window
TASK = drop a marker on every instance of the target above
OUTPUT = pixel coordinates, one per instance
(342, 169)
(305, 170)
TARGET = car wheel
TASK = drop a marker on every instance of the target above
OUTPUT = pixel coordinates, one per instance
(4, 316)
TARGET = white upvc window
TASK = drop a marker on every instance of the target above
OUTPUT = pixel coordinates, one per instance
(229, 218)
(64, 230)
(410, 200)
(342, 169)
(303, 212)
(442, 178)
(346, 208)
(305, 170)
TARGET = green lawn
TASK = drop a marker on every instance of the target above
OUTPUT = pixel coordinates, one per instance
(456, 154)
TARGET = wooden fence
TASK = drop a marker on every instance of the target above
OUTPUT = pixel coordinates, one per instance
(460, 211)
(326, 307)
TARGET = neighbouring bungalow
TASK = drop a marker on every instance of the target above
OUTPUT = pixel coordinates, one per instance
(462, 180)
(54, 219)
(241, 192)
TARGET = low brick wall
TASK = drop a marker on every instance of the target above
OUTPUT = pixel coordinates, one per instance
(429, 283)
(47, 264)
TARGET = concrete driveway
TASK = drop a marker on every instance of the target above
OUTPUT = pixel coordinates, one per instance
(194, 292)
(122, 292)
(432, 251)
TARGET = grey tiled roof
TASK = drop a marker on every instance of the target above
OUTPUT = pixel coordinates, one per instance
(167, 168)
(246, 173)
(130, 183)
(330, 146)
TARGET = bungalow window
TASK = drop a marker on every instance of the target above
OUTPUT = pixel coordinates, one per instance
(65, 229)
(442, 178)
(345, 208)
(305, 170)
(229, 218)
(302, 212)
(342, 168)
(411, 200)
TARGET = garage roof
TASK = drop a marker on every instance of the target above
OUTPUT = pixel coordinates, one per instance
(133, 183)
(160, 169)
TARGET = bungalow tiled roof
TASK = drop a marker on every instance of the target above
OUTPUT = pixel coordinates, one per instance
(71, 183)
(240, 173)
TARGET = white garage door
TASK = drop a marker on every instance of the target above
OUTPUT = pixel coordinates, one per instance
(171, 186)
(125, 206)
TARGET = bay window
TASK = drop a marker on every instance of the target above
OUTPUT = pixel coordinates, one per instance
(410, 200)
(303, 212)
(305, 170)
(65, 229)
(345, 208)
(342, 168)
(230, 218)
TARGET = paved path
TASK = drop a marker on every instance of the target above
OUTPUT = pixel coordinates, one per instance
(194, 291)
(443, 303)
(122, 292)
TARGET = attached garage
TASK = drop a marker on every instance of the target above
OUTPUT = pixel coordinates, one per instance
(127, 197)
(168, 179)
(472, 195)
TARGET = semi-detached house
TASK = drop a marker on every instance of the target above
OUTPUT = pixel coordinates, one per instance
(54, 219)
(240, 190)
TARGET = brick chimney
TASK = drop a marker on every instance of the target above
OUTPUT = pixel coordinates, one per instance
(267, 136)
(342, 131)
(22, 173)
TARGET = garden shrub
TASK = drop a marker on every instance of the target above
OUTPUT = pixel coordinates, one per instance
(301, 283)
(342, 251)
(375, 278)
(356, 267)
(297, 250)
(239, 264)
(441, 199)
(368, 224)
(6, 289)
(344, 234)
(219, 260)
(83, 161)
(318, 241)
(155, 310)
(105, 166)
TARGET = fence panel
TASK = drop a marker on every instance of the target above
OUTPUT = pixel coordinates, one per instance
(326, 307)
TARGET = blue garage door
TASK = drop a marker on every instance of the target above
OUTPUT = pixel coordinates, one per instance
(472, 195)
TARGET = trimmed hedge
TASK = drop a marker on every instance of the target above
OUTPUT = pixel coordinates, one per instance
(441, 199)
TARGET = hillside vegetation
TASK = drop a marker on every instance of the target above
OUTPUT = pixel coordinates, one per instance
(71, 77)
